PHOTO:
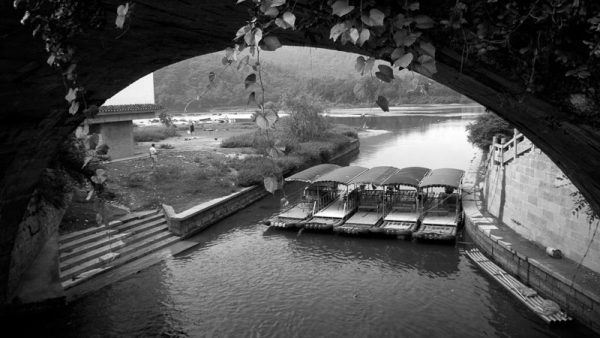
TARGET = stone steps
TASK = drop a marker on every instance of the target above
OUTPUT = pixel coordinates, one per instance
(82, 245)
(114, 246)
(89, 252)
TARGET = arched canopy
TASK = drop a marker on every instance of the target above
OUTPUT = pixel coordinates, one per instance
(410, 176)
(443, 177)
(312, 173)
(376, 175)
(343, 175)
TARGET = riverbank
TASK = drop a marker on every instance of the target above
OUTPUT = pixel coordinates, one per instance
(575, 288)
(195, 168)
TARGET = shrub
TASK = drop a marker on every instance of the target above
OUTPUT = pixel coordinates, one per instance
(136, 179)
(166, 146)
(167, 173)
(153, 133)
(485, 128)
(305, 121)
(253, 170)
(238, 141)
(102, 149)
(351, 133)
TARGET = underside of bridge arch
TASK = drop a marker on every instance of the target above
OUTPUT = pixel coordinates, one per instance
(34, 117)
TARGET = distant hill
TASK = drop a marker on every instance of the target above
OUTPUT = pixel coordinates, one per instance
(288, 71)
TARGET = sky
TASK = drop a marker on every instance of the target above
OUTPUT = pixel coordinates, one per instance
(141, 91)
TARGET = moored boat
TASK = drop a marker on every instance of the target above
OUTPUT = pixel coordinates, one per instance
(441, 215)
(370, 201)
(314, 198)
(345, 203)
(402, 203)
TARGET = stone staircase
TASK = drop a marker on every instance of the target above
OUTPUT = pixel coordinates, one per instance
(86, 253)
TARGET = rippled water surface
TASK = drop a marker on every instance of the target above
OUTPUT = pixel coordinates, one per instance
(246, 280)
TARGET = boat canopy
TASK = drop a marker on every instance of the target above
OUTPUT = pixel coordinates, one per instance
(444, 177)
(376, 175)
(341, 175)
(312, 173)
(410, 176)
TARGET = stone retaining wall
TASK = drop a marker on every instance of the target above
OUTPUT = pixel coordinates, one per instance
(533, 197)
(575, 300)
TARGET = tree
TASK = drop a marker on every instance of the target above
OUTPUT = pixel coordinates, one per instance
(486, 127)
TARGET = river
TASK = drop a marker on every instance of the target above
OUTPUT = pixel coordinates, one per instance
(244, 280)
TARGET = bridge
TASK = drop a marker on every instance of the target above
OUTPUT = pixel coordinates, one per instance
(35, 117)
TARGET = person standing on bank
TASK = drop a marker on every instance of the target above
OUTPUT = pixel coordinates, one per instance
(153, 155)
(191, 127)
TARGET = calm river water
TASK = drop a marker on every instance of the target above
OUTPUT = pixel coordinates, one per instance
(246, 281)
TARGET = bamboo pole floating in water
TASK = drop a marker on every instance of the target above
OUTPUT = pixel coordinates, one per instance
(535, 302)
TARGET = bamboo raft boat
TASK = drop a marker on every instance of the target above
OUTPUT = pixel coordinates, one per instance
(547, 310)
(314, 198)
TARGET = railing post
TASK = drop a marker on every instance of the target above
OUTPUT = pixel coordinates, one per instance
(494, 143)
(516, 144)
(502, 141)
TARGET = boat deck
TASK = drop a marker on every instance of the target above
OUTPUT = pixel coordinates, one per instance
(300, 211)
(546, 310)
(448, 220)
(402, 216)
(363, 217)
(334, 210)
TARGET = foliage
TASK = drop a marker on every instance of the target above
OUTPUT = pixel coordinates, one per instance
(487, 126)
(153, 134)
(166, 146)
(292, 71)
(238, 141)
(166, 119)
(253, 170)
(305, 121)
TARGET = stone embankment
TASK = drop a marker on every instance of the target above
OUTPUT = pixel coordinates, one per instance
(574, 287)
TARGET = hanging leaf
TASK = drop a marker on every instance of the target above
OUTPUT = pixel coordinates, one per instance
(271, 118)
(271, 184)
(261, 122)
(281, 24)
(397, 53)
(369, 65)
(400, 21)
(243, 62)
(290, 19)
(375, 18)
(239, 1)
(250, 80)
(74, 107)
(337, 30)
(428, 48)
(360, 64)
(426, 65)
(385, 73)
(404, 61)
(71, 94)
(99, 219)
(365, 34)
(272, 12)
(399, 37)
(225, 61)
(354, 35)
(424, 22)
(51, 59)
(275, 152)
(341, 8)
(242, 31)
(121, 15)
(257, 36)
(271, 43)
(382, 102)
(211, 77)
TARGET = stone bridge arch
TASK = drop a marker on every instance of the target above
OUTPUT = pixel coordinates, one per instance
(33, 119)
